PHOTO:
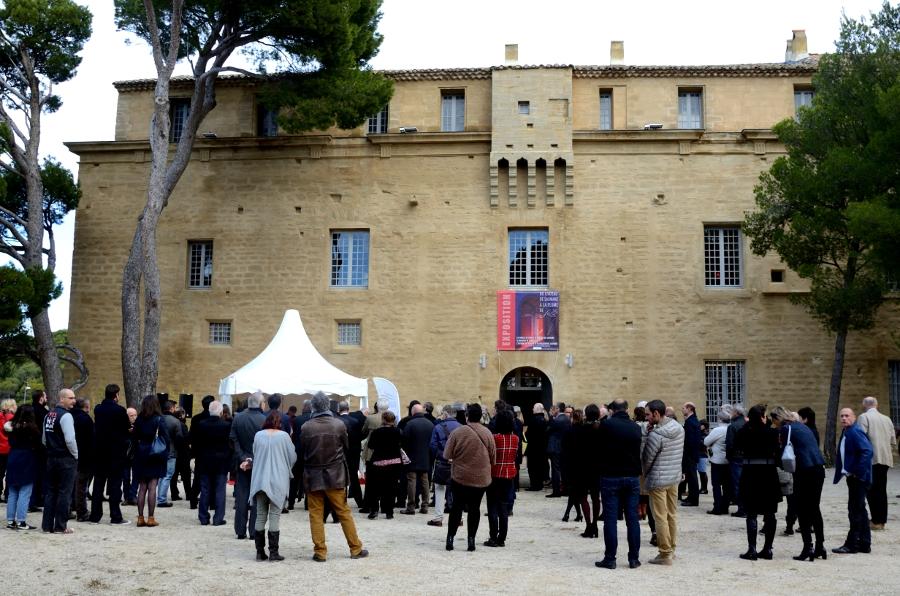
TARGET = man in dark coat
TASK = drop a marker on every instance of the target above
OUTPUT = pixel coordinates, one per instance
(214, 460)
(354, 447)
(853, 460)
(693, 442)
(111, 432)
(295, 491)
(536, 435)
(192, 435)
(323, 444)
(620, 484)
(243, 430)
(173, 428)
(84, 436)
(559, 424)
(416, 439)
(735, 457)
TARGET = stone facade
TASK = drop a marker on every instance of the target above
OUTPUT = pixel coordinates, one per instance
(625, 211)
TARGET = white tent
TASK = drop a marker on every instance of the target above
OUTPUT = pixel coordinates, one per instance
(291, 364)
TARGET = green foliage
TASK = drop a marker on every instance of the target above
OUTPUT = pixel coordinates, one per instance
(321, 48)
(830, 207)
(61, 192)
(23, 294)
(50, 33)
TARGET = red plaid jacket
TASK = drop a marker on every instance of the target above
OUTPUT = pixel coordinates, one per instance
(507, 447)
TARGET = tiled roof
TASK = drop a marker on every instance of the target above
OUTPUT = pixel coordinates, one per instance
(807, 66)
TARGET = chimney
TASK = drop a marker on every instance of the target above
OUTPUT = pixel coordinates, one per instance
(617, 52)
(789, 51)
(799, 44)
(512, 54)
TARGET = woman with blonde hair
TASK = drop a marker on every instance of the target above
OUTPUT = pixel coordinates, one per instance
(809, 476)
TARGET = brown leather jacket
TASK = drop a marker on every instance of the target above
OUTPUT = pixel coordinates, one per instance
(323, 440)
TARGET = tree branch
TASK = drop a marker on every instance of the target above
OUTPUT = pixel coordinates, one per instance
(220, 69)
(155, 43)
(174, 32)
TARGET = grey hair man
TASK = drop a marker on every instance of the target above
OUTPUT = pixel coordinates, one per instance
(214, 461)
(62, 461)
(416, 441)
(243, 431)
(880, 430)
(323, 443)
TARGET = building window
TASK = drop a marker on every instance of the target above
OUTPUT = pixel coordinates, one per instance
(266, 121)
(220, 333)
(453, 111)
(200, 263)
(605, 110)
(378, 124)
(524, 108)
(528, 258)
(349, 333)
(350, 258)
(802, 98)
(690, 108)
(894, 390)
(725, 384)
(722, 256)
(179, 109)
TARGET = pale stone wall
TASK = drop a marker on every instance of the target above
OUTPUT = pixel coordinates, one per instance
(626, 255)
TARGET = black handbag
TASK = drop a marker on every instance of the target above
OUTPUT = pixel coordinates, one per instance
(441, 472)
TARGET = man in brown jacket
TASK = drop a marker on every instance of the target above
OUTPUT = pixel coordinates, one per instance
(323, 441)
(471, 452)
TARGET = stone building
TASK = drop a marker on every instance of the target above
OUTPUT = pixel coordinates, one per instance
(603, 202)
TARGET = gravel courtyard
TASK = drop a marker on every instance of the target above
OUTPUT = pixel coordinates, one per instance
(543, 556)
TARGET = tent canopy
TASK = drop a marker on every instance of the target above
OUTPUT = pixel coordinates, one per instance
(291, 364)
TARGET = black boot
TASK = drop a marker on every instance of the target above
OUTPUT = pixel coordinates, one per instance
(769, 532)
(260, 540)
(750, 555)
(819, 552)
(588, 530)
(807, 554)
(273, 547)
(449, 542)
(471, 543)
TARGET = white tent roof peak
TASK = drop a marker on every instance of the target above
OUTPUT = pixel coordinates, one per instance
(292, 364)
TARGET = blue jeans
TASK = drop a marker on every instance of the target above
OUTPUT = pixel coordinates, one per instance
(17, 504)
(736, 470)
(212, 490)
(162, 493)
(624, 491)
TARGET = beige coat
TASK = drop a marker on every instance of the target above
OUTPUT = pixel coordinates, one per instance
(880, 431)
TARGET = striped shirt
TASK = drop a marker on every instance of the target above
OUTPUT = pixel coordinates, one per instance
(507, 447)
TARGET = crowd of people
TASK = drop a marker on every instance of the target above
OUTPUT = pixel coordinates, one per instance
(611, 464)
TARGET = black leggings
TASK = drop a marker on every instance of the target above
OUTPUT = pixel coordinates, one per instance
(468, 497)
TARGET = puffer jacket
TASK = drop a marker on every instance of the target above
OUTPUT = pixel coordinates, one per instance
(661, 458)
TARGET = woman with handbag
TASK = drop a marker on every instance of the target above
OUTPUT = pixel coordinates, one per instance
(760, 487)
(384, 468)
(809, 476)
(440, 476)
(152, 441)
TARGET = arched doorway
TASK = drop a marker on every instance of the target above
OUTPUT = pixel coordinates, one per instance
(526, 386)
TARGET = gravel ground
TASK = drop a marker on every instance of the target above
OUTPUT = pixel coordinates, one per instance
(543, 555)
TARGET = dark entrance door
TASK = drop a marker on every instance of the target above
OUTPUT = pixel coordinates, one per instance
(525, 387)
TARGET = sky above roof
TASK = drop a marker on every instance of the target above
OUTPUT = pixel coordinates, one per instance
(470, 33)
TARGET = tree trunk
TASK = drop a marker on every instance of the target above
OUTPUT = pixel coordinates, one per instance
(46, 349)
(131, 322)
(152, 313)
(834, 396)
